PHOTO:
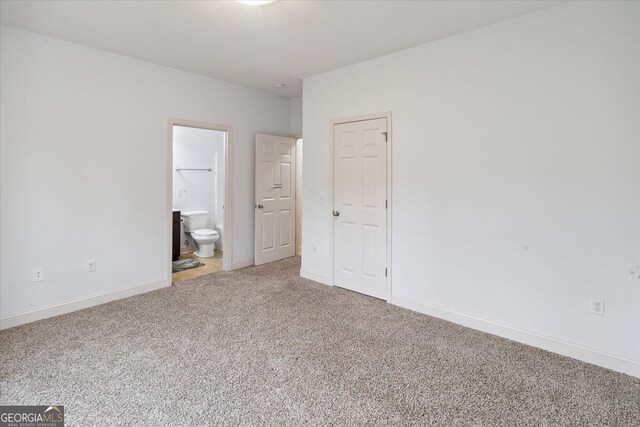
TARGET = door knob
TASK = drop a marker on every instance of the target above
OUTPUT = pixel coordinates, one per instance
(260, 206)
(336, 213)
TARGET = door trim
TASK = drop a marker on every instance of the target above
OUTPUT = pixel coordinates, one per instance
(383, 115)
(227, 236)
(299, 157)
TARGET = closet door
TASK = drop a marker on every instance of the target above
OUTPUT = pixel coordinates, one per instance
(360, 206)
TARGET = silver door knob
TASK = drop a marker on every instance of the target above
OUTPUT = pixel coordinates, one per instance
(260, 206)
(336, 213)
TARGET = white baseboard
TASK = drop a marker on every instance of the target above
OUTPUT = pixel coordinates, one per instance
(585, 354)
(316, 277)
(78, 304)
(243, 264)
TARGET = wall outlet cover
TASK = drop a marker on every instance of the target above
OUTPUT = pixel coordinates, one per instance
(597, 306)
(38, 274)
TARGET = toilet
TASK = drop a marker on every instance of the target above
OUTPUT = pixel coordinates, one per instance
(194, 222)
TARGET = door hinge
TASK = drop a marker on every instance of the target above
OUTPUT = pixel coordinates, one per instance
(386, 204)
(385, 272)
(386, 139)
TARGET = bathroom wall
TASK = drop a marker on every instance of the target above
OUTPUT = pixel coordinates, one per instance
(199, 190)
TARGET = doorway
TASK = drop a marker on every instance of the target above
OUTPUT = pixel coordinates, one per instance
(361, 204)
(199, 199)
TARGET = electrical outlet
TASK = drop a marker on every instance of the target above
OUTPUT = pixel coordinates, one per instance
(38, 274)
(91, 265)
(597, 306)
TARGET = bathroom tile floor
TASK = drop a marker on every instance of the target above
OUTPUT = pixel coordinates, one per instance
(211, 265)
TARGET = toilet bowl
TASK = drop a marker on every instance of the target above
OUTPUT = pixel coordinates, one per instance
(206, 241)
(194, 223)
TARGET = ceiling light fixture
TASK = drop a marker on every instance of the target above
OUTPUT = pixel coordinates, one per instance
(279, 85)
(255, 2)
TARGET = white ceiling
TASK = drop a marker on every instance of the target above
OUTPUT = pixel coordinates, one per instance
(281, 42)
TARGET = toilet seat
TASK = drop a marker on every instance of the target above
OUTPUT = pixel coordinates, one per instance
(205, 232)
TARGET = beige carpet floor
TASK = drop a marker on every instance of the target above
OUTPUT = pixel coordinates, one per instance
(261, 346)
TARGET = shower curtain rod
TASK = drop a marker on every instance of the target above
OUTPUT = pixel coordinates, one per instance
(193, 169)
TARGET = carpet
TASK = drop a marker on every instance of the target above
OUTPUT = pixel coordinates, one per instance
(262, 346)
(185, 264)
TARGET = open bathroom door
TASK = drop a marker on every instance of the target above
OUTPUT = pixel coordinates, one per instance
(275, 207)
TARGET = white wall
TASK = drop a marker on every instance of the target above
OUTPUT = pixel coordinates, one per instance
(199, 190)
(84, 145)
(516, 175)
(295, 104)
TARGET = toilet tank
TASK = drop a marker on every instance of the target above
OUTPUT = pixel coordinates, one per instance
(194, 220)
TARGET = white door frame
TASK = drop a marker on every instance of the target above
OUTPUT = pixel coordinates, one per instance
(384, 115)
(299, 156)
(227, 235)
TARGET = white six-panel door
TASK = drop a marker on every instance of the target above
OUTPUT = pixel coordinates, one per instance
(360, 211)
(275, 205)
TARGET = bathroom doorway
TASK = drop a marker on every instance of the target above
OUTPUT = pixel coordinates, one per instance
(199, 189)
